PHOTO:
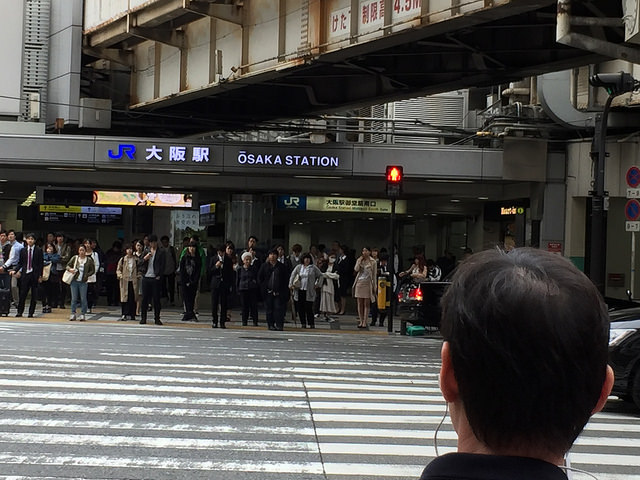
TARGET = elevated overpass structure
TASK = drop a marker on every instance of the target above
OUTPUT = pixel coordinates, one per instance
(194, 66)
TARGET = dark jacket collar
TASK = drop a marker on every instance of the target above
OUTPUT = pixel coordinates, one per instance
(466, 466)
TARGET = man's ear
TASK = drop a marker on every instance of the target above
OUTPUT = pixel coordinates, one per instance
(607, 385)
(448, 382)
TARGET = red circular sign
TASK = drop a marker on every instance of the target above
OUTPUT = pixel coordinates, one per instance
(633, 177)
(632, 210)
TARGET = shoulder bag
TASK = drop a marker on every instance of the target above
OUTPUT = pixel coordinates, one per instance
(46, 271)
(67, 276)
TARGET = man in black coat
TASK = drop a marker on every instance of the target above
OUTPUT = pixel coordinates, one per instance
(29, 269)
(274, 284)
(222, 278)
(152, 274)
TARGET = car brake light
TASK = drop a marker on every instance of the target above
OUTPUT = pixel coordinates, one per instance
(415, 294)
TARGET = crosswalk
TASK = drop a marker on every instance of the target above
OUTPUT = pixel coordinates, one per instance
(113, 401)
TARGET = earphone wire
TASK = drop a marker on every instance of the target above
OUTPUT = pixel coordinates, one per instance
(435, 434)
(568, 469)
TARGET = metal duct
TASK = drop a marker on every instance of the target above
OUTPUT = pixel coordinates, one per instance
(554, 94)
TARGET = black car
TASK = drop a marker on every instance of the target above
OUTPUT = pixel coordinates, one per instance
(419, 303)
(624, 353)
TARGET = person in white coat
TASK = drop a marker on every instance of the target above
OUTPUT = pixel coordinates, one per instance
(329, 288)
(304, 280)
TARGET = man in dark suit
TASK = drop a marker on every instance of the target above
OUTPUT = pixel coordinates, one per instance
(152, 274)
(221, 270)
(274, 283)
(29, 269)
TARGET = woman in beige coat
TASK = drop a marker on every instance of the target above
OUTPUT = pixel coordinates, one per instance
(128, 277)
(365, 285)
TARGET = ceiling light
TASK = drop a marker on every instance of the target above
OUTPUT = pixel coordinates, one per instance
(455, 200)
(29, 200)
(483, 198)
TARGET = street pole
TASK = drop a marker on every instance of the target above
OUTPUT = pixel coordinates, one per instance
(392, 268)
(632, 279)
(597, 259)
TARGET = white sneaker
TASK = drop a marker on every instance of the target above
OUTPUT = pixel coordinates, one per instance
(72, 317)
(82, 319)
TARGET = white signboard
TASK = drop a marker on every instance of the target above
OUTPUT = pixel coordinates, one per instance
(633, 192)
(339, 22)
(632, 226)
(371, 15)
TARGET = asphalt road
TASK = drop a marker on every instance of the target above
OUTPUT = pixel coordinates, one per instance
(124, 401)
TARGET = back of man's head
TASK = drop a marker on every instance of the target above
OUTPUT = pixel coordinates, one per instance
(528, 337)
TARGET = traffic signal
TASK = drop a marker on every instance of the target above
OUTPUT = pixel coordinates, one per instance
(394, 180)
(614, 83)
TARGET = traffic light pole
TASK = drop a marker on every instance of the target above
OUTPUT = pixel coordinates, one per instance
(392, 268)
(597, 253)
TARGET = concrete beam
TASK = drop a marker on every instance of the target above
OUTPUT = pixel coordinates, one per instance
(228, 13)
(174, 38)
(122, 57)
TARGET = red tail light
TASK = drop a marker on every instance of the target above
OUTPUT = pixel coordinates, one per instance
(415, 294)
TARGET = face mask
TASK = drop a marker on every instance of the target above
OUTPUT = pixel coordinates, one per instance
(331, 260)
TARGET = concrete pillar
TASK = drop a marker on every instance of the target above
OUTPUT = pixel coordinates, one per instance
(249, 215)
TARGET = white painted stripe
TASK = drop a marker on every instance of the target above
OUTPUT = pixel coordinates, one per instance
(374, 470)
(383, 407)
(24, 373)
(604, 459)
(157, 442)
(141, 399)
(151, 388)
(311, 385)
(383, 449)
(183, 427)
(140, 355)
(156, 411)
(211, 390)
(595, 427)
(429, 451)
(277, 373)
(382, 396)
(316, 365)
(610, 476)
(386, 433)
(381, 418)
(608, 442)
(250, 380)
(163, 463)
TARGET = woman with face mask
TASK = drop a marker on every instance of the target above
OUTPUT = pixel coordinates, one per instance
(329, 289)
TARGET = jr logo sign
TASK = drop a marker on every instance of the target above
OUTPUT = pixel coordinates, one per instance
(123, 149)
(292, 202)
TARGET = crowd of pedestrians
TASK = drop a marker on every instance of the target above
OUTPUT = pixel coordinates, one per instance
(311, 285)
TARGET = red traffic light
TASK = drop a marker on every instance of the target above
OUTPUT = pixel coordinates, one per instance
(394, 174)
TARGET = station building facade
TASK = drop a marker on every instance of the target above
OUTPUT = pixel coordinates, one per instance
(521, 188)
